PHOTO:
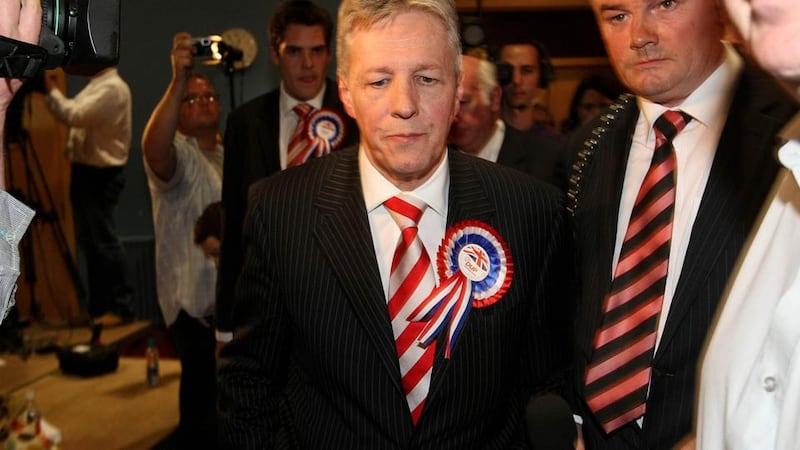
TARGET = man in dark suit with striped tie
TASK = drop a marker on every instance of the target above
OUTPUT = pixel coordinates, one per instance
(664, 189)
(259, 133)
(340, 341)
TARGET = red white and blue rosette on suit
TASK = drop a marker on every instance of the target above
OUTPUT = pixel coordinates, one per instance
(475, 271)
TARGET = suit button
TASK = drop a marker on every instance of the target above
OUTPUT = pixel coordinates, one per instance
(770, 384)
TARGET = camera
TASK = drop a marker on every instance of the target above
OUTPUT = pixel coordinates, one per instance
(82, 36)
(505, 73)
(213, 50)
(205, 47)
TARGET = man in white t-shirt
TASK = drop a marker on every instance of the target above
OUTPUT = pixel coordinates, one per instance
(183, 160)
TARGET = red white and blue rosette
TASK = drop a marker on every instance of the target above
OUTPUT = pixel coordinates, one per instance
(475, 269)
(325, 131)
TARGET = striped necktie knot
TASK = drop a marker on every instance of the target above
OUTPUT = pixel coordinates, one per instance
(405, 210)
(299, 149)
(669, 124)
(302, 110)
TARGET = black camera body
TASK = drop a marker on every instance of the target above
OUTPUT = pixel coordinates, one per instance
(212, 49)
(204, 46)
(82, 36)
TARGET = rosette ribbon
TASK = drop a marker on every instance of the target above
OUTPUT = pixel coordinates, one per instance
(476, 269)
(325, 132)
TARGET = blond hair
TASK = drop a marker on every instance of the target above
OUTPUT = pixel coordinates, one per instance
(363, 14)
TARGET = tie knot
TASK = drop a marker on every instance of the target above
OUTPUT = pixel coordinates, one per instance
(671, 123)
(406, 210)
(302, 110)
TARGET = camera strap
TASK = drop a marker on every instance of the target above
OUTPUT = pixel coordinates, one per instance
(20, 59)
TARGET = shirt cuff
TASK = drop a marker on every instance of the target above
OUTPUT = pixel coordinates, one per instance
(223, 336)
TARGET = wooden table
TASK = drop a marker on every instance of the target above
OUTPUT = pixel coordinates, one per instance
(112, 411)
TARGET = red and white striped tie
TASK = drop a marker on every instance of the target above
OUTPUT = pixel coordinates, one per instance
(299, 143)
(411, 280)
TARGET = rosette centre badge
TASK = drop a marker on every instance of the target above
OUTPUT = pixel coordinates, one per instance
(473, 262)
(475, 269)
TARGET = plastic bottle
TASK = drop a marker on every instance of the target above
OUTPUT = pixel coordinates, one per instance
(27, 424)
(151, 356)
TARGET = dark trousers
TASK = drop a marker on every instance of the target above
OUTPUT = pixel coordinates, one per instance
(195, 344)
(94, 193)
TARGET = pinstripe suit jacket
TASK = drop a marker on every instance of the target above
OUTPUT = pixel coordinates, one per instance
(251, 137)
(741, 175)
(313, 362)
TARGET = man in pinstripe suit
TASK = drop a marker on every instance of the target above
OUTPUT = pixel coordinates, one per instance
(314, 362)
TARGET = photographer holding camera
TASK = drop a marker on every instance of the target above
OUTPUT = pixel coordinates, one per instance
(99, 117)
(183, 162)
(20, 21)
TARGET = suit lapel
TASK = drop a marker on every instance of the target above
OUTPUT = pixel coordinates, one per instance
(467, 200)
(610, 161)
(511, 152)
(730, 199)
(270, 137)
(345, 238)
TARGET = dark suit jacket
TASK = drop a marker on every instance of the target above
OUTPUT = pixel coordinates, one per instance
(533, 154)
(251, 153)
(742, 172)
(313, 361)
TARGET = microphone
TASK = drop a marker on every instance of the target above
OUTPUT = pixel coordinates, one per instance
(549, 423)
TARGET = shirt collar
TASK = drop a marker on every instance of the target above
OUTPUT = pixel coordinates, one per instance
(377, 189)
(193, 141)
(710, 101)
(491, 151)
(789, 153)
(287, 102)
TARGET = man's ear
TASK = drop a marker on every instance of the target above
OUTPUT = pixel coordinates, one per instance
(273, 55)
(495, 99)
(344, 95)
(459, 93)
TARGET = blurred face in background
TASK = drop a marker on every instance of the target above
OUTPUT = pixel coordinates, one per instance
(772, 29)
(524, 86)
(200, 108)
(661, 50)
(475, 122)
(591, 103)
(302, 58)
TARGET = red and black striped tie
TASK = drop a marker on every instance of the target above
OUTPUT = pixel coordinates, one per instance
(619, 372)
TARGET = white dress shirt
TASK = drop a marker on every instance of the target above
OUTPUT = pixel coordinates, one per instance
(385, 232)
(695, 148)
(99, 118)
(289, 119)
(491, 151)
(750, 379)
